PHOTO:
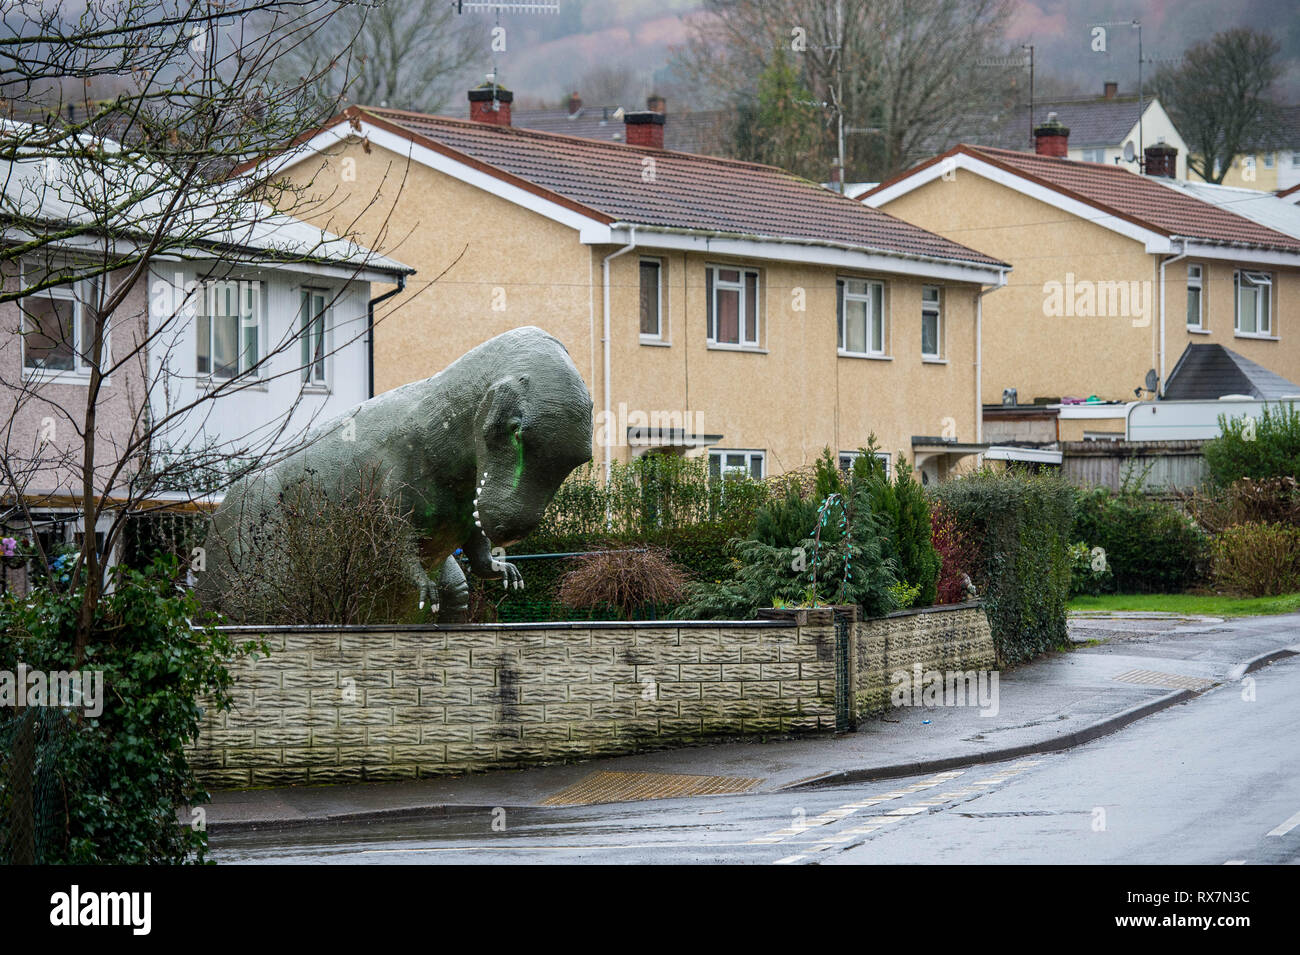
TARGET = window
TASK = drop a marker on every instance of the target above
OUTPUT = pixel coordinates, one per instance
(312, 326)
(733, 313)
(228, 328)
(848, 457)
(1268, 160)
(1254, 296)
(736, 464)
(651, 298)
(931, 324)
(1094, 155)
(862, 317)
(1193, 296)
(59, 323)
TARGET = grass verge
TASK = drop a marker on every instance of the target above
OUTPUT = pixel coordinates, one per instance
(1209, 605)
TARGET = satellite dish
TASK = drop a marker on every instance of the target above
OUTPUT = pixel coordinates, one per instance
(1129, 152)
(1152, 380)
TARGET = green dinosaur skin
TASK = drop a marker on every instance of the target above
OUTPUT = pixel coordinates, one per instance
(474, 454)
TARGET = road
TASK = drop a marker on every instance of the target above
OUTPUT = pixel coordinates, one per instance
(1215, 780)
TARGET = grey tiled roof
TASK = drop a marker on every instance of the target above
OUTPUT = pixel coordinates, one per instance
(1092, 122)
(1212, 371)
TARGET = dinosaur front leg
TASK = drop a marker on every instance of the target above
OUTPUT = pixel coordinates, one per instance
(479, 550)
(425, 588)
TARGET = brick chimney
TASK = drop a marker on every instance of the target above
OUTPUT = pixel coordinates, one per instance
(644, 128)
(490, 104)
(1051, 138)
(1110, 89)
(1161, 160)
(574, 104)
(656, 104)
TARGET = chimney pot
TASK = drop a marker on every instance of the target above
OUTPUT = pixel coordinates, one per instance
(1051, 138)
(490, 104)
(1110, 89)
(1161, 160)
(656, 104)
(575, 103)
(644, 128)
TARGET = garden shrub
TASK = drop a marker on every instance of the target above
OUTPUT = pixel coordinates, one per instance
(956, 556)
(1019, 527)
(110, 786)
(1257, 559)
(624, 579)
(1267, 447)
(1090, 572)
(1150, 545)
(1265, 500)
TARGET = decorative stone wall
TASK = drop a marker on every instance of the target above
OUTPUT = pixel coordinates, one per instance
(953, 637)
(348, 704)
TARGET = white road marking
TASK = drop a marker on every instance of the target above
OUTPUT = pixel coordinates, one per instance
(1286, 827)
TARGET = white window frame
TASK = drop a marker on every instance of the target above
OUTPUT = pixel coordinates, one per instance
(851, 456)
(80, 293)
(1263, 303)
(1095, 155)
(253, 317)
(658, 335)
(714, 285)
(934, 308)
(843, 297)
(315, 374)
(1196, 282)
(751, 455)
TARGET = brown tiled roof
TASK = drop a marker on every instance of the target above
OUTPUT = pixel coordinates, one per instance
(1143, 200)
(687, 131)
(687, 191)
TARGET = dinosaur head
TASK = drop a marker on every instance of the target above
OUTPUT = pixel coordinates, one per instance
(533, 428)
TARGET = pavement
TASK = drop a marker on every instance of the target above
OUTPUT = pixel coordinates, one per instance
(1121, 669)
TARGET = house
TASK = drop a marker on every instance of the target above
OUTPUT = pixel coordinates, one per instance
(1102, 129)
(713, 306)
(1115, 273)
(1273, 164)
(241, 329)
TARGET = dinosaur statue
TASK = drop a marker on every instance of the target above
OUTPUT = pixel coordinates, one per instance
(473, 455)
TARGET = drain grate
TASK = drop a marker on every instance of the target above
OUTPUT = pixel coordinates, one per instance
(630, 787)
(1171, 681)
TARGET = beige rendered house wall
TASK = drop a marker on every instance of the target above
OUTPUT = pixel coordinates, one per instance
(790, 399)
(1024, 347)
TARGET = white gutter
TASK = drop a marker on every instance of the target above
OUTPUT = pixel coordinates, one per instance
(979, 355)
(605, 346)
(1163, 263)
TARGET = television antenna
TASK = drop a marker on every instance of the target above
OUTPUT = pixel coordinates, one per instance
(499, 7)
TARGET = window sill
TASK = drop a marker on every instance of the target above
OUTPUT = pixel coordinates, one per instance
(206, 385)
(38, 377)
(655, 342)
(1262, 338)
(753, 349)
(858, 354)
(933, 360)
(316, 389)
(1197, 331)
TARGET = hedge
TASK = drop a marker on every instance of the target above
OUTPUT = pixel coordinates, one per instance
(1019, 526)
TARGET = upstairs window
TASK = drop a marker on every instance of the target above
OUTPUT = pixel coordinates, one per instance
(58, 323)
(228, 328)
(732, 300)
(931, 322)
(1194, 290)
(861, 316)
(651, 298)
(1254, 303)
(312, 325)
